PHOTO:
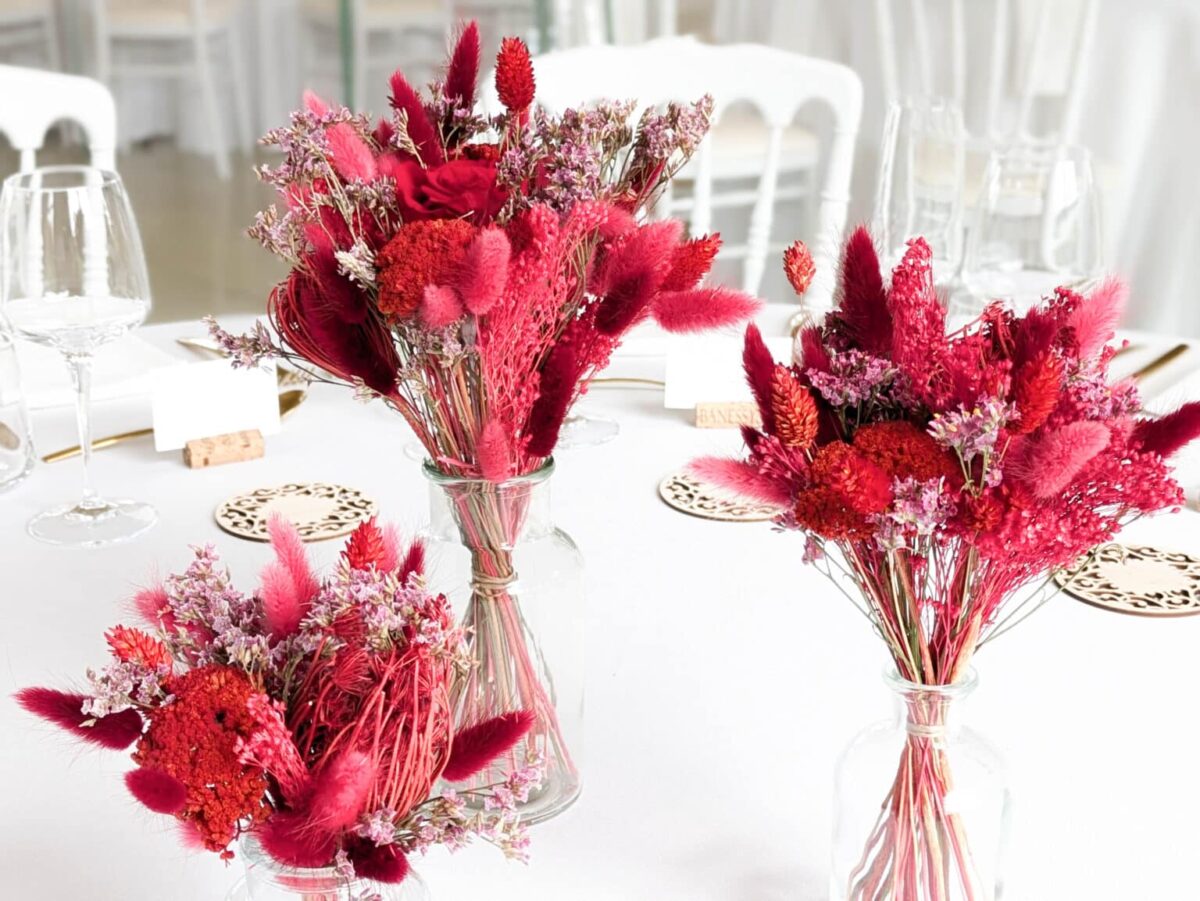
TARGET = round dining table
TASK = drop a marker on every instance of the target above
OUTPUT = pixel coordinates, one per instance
(723, 679)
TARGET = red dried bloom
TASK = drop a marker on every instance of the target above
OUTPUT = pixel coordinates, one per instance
(793, 409)
(690, 262)
(824, 512)
(136, 646)
(489, 153)
(514, 75)
(1037, 390)
(365, 546)
(903, 451)
(799, 266)
(863, 486)
(982, 513)
(193, 739)
(420, 254)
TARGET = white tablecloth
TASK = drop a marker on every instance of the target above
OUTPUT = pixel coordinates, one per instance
(723, 677)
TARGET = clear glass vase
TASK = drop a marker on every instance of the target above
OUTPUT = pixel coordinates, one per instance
(517, 581)
(268, 880)
(920, 804)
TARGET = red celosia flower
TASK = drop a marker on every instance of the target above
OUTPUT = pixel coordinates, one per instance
(514, 75)
(903, 451)
(690, 262)
(1037, 390)
(799, 266)
(863, 486)
(793, 409)
(192, 739)
(420, 254)
(982, 513)
(365, 546)
(135, 646)
(823, 511)
(487, 152)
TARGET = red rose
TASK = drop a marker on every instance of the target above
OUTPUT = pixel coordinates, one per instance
(461, 188)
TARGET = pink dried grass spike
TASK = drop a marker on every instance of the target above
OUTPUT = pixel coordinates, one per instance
(440, 306)
(1049, 464)
(340, 792)
(1095, 320)
(288, 583)
(703, 309)
(351, 157)
(484, 273)
(741, 479)
(494, 453)
(65, 710)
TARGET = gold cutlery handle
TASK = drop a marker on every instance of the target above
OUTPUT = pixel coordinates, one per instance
(1158, 363)
(68, 452)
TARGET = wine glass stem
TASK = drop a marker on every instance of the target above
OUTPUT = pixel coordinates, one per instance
(81, 376)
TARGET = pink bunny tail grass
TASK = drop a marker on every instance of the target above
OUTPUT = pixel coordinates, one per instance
(65, 710)
(463, 71)
(420, 129)
(440, 306)
(414, 560)
(159, 791)
(813, 354)
(759, 367)
(288, 583)
(1170, 433)
(861, 301)
(484, 272)
(1048, 464)
(151, 603)
(382, 863)
(314, 104)
(390, 561)
(493, 452)
(285, 838)
(741, 479)
(618, 222)
(477, 746)
(703, 308)
(632, 273)
(340, 792)
(1095, 320)
(351, 157)
(189, 836)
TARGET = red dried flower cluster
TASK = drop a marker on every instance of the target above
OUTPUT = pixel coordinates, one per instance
(514, 75)
(799, 267)
(135, 646)
(903, 451)
(420, 255)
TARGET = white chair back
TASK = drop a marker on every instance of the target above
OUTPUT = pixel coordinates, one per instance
(774, 82)
(926, 31)
(34, 100)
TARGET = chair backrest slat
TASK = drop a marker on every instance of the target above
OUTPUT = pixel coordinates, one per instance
(35, 99)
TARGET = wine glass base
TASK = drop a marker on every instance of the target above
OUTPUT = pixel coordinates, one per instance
(94, 524)
(587, 431)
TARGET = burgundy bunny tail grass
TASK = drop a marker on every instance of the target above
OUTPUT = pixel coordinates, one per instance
(284, 837)
(759, 366)
(115, 731)
(383, 863)
(420, 130)
(1170, 433)
(702, 309)
(159, 791)
(861, 308)
(463, 71)
(477, 746)
(414, 560)
(550, 409)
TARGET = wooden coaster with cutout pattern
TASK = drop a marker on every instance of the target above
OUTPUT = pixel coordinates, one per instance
(318, 510)
(1140, 581)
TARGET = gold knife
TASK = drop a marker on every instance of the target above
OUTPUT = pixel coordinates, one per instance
(288, 402)
(1159, 362)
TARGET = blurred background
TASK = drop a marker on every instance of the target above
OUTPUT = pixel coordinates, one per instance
(1006, 130)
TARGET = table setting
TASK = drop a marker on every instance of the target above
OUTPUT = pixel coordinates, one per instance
(483, 531)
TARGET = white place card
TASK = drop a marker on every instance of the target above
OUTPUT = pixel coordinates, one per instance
(201, 400)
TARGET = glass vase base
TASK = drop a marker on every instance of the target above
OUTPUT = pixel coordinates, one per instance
(322, 888)
(95, 524)
(587, 431)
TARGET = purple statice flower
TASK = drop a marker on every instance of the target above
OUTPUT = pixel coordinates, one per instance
(971, 432)
(680, 129)
(122, 685)
(814, 550)
(1096, 399)
(378, 826)
(853, 378)
(244, 351)
(919, 509)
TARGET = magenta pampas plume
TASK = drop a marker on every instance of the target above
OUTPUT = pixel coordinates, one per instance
(463, 70)
(555, 391)
(285, 837)
(1049, 464)
(414, 560)
(813, 354)
(382, 863)
(861, 310)
(351, 157)
(420, 130)
(702, 308)
(288, 583)
(759, 367)
(484, 271)
(340, 792)
(440, 306)
(159, 791)
(115, 731)
(1095, 319)
(314, 104)
(477, 746)
(493, 452)
(742, 479)
(1168, 434)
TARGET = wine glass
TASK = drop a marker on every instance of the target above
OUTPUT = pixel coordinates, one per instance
(75, 279)
(921, 178)
(1037, 226)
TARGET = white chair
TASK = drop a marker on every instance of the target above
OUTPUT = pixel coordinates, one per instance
(28, 32)
(384, 35)
(775, 83)
(34, 100)
(194, 40)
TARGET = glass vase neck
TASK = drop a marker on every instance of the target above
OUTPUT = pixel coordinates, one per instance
(929, 710)
(490, 515)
